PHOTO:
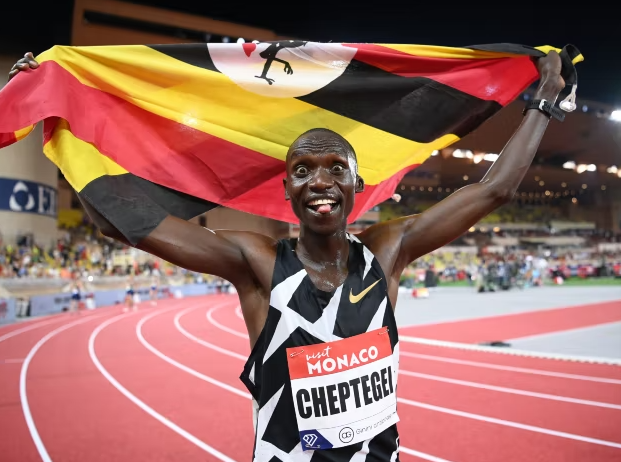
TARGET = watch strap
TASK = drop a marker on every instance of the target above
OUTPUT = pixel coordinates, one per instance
(545, 107)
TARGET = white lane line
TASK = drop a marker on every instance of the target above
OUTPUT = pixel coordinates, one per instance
(511, 351)
(149, 410)
(192, 337)
(23, 395)
(513, 391)
(451, 360)
(508, 423)
(221, 327)
(15, 332)
(239, 313)
(421, 455)
(499, 367)
(480, 348)
(177, 364)
(566, 331)
(515, 313)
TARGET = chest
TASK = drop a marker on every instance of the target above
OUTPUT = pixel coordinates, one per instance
(327, 278)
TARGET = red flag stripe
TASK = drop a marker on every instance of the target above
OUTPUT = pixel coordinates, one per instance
(169, 153)
(509, 75)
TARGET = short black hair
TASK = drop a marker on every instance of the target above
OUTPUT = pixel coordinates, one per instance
(328, 132)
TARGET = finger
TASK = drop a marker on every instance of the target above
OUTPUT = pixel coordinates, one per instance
(29, 58)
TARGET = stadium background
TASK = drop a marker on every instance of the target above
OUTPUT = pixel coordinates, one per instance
(527, 373)
(567, 211)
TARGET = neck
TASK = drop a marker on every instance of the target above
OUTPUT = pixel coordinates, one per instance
(323, 249)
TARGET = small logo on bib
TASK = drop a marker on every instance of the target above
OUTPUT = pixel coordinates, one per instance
(346, 435)
(312, 439)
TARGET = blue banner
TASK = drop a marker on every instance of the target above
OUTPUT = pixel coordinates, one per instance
(27, 197)
(7, 310)
(49, 304)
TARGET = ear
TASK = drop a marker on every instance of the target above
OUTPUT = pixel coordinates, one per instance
(284, 183)
(359, 184)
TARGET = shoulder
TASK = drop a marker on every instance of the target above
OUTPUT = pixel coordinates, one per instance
(258, 250)
(384, 241)
(249, 241)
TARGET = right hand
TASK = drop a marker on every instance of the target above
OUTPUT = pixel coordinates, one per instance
(27, 62)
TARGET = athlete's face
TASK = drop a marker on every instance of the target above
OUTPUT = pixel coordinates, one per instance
(322, 180)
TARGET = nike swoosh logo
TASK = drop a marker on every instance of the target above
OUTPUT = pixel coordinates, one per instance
(356, 298)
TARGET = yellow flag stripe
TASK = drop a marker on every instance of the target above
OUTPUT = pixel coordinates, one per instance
(23, 133)
(212, 103)
(429, 51)
(79, 161)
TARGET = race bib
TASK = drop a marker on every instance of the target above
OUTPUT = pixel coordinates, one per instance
(344, 391)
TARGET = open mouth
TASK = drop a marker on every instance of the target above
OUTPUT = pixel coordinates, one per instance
(323, 206)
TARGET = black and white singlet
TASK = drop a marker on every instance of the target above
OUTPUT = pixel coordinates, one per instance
(300, 315)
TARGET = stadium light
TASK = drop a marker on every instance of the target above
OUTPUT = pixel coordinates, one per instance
(616, 115)
(463, 153)
(241, 40)
(582, 168)
(612, 169)
(435, 153)
(477, 158)
(490, 157)
(569, 165)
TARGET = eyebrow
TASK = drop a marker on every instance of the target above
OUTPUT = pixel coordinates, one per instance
(301, 151)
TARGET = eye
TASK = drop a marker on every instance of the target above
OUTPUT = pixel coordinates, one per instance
(338, 168)
(301, 170)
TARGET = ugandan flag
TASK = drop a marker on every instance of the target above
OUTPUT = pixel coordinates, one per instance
(141, 132)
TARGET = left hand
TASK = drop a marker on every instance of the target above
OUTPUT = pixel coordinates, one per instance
(549, 68)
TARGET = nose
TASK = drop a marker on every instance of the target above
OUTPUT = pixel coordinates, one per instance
(321, 181)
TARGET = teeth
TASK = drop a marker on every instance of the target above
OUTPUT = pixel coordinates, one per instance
(322, 201)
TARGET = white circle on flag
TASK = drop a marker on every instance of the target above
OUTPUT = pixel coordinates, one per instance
(284, 69)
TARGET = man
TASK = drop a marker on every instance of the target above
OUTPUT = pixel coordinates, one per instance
(327, 298)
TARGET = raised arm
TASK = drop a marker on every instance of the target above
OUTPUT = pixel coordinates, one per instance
(449, 219)
(236, 256)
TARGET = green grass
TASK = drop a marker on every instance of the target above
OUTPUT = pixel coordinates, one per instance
(571, 282)
(591, 282)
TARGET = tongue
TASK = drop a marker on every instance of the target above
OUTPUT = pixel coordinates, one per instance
(325, 208)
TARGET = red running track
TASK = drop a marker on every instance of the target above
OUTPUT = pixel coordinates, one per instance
(161, 384)
(518, 325)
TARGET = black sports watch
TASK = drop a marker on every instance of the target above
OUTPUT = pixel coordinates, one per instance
(544, 106)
